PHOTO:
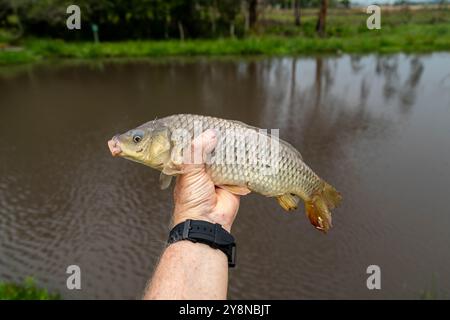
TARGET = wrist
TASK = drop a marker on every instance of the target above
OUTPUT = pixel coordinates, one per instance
(202, 231)
(177, 219)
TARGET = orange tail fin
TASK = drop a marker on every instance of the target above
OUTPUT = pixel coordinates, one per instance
(319, 206)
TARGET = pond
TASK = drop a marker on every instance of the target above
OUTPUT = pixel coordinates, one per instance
(376, 127)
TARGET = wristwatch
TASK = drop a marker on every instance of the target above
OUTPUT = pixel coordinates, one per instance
(208, 233)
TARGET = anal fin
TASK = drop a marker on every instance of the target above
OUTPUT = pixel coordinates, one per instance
(164, 181)
(239, 190)
(288, 201)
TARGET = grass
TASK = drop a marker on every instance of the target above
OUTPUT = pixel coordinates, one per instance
(26, 291)
(403, 30)
(432, 292)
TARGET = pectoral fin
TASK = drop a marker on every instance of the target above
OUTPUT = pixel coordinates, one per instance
(288, 201)
(171, 170)
(164, 181)
(239, 190)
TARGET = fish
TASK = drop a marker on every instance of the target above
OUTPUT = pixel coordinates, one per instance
(246, 159)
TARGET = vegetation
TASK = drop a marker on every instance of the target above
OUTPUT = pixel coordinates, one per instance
(177, 19)
(212, 28)
(26, 291)
(131, 19)
(432, 292)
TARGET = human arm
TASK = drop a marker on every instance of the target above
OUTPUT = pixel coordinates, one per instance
(190, 270)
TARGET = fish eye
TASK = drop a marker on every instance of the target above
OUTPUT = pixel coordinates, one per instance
(137, 137)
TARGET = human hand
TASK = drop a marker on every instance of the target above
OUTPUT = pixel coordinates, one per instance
(195, 195)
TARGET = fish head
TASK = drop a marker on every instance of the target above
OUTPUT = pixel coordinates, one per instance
(147, 145)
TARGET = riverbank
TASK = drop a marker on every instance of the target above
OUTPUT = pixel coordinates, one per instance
(421, 31)
(28, 290)
(424, 40)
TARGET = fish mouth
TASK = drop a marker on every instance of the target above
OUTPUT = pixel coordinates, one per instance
(114, 147)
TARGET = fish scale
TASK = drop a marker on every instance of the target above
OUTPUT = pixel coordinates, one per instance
(293, 176)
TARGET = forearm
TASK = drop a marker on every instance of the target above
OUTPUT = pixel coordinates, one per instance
(190, 270)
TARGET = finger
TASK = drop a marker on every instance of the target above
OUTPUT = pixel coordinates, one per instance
(201, 146)
(209, 141)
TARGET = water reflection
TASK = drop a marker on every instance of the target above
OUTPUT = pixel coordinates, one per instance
(404, 90)
(370, 125)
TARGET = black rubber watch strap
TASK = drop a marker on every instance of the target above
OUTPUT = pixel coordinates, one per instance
(208, 233)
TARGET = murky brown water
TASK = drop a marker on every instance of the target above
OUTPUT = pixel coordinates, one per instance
(378, 128)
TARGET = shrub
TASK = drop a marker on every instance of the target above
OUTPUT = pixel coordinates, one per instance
(28, 290)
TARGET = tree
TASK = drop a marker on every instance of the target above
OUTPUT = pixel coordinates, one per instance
(346, 4)
(321, 21)
(228, 11)
(297, 12)
(128, 19)
(252, 12)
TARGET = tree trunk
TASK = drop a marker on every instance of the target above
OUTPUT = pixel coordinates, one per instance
(19, 22)
(297, 12)
(232, 29)
(181, 30)
(166, 28)
(321, 22)
(244, 11)
(212, 14)
(252, 13)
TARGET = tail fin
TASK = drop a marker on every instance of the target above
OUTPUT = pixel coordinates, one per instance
(318, 207)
